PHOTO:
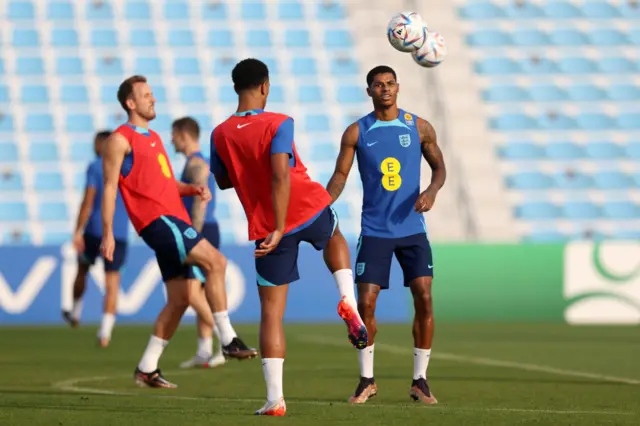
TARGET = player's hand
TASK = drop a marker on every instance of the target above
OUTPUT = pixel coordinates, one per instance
(78, 242)
(107, 247)
(269, 244)
(204, 193)
(425, 201)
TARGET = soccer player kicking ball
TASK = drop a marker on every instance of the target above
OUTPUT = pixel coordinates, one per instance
(135, 162)
(390, 144)
(253, 151)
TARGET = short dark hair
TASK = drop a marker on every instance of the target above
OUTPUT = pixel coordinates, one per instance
(187, 125)
(103, 134)
(126, 89)
(249, 74)
(380, 69)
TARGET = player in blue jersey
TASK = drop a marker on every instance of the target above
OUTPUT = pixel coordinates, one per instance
(86, 240)
(390, 144)
(184, 136)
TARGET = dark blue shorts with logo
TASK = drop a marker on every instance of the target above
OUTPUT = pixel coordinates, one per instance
(92, 251)
(211, 233)
(374, 255)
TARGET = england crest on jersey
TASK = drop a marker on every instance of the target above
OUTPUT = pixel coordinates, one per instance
(405, 140)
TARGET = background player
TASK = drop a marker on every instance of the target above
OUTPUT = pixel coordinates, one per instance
(389, 143)
(253, 151)
(86, 240)
(135, 161)
(184, 136)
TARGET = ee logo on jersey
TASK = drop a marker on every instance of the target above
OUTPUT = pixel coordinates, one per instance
(390, 168)
(164, 165)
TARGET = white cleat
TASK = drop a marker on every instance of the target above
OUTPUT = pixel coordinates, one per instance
(277, 409)
(200, 362)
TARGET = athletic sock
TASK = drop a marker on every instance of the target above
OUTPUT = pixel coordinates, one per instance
(346, 287)
(152, 353)
(420, 363)
(223, 323)
(106, 326)
(216, 333)
(205, 347)
(365, 359)
(272, 369)
(76, 309)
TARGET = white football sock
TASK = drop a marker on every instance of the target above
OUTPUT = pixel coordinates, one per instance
(106, 326)
(420, 363)
(223, 324)
(216, 333)
(365, 359)
(76, 309)
(272, 369)
(205, 347)
(152, 353)
(346, 287)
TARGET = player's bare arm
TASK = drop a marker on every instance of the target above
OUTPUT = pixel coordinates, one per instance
(83, 217)
(432, 153)
(198, 173)
(344, 162)
(280, 191)
(117, 147)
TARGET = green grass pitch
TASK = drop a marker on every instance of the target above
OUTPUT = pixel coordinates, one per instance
(482, 374)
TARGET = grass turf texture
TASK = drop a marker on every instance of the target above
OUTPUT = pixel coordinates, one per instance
(482, 374)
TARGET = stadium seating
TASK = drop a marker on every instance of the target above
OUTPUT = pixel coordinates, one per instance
(565, 121)
(61, 62)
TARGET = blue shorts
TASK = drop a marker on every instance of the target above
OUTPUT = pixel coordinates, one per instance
(373, 261)
(172, 240)
(211, 233)
(92, 251)
(281, 265)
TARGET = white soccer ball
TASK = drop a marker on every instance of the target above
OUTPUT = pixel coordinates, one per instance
(406, 31)
(433, 51)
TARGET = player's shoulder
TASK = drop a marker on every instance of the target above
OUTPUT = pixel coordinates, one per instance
(408, 118)
(95, 165)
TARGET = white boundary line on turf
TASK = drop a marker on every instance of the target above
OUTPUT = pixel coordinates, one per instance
(323, 340)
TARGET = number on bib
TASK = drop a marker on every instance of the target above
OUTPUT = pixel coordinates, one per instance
(164, 165)
(391, 179)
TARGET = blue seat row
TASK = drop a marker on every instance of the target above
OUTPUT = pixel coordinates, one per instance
(604, 180)
(544, 92)
(175, 10)
(607, 37)
(546, 235)
(567, 65)
(577, 210)
(569, 151)
(558, 121)
(555, 9)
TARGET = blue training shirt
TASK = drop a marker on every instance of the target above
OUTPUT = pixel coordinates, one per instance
(210, 216)
(389, 159)
(120, 217)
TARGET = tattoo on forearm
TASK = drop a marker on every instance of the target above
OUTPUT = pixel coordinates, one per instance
(336, 186)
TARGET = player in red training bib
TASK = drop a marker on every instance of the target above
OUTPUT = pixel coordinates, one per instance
(253, 151)
(136, 162)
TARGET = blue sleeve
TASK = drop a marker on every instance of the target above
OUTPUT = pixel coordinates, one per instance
(93, 177)
(215, 162)
(283, 139)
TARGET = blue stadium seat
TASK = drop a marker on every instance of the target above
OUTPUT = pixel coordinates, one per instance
(611, 180)
(530, 37)
(81, 151)
(604, 151)
(594, 121)
(546, 93)
(11, 181)
(253, 10)
(522, 10)
(560, 9)
(343, 66)
(137, 10)
(297, 38)
(310, 94)
(48, 181)
(108, 94)
(620, 210)
(220, 38)
(599, 10)
(148, 66)
(324, 152)
(623, 92)
(580, 210)
(556, 121)
(64, 37)
(628, 121)
(633, 35)
(20, 10)
(59, 10)
(8, 153)
(576, 66)
(572, 181)
(481, 10)
(76, 123)
(585, 92)
(1, 66)
(537, 210)
(69, 66)
(337, 39)
(52, 211)
(186, 66)
(181, 38)
(79, 179)
(6, 123)
(176, 10)
(290, 10)
(193, 94)
(544, 236)
(317, 123)
(272, 64)
(104, 38)
(333, 11)
(99, 11)
(497, 66)
(632, 150)
(142, 38)
(513, 121)
(520, 151)
(607, 37)
(109, 66)
(162, 123)
(303, 66)
(529, 180)
(159, 92)
(348, 94)
(488, 38)
(226, 94)
(13, 211)
(625, 234)
(34, 94)
(55, 237)
(563, 151)
(217, 11)
(206, 124)
(538, 65)
(505, 93)
(22, 38)
(258, 38)
(567, 37)
(276, 94)
(30, 66)
(4, 93)
(616, 65)
(38, 123)
(223, 211)
(17, 237)
(43, 152)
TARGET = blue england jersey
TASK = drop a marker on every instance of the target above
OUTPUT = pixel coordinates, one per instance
(188, 201)
(389, 158)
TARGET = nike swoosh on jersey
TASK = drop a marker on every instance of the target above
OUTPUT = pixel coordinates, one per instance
(240, 126)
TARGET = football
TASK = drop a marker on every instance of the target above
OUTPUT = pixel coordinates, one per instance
(432, 52)
(407, 31)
